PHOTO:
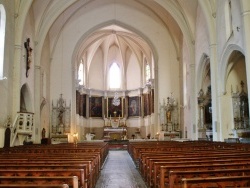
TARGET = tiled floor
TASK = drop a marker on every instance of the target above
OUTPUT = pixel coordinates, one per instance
(119, 171)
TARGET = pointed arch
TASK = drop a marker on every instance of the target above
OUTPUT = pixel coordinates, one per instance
(202, 70)
(25, 99)
(224, 65)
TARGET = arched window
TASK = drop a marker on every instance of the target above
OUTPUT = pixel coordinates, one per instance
(147, 72)
(81, 74)
(2, 38)
(114, 76)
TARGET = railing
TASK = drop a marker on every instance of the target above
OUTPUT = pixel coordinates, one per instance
(21, 127)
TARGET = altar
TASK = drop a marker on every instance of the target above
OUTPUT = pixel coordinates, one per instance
(110, 133)
(169, 135)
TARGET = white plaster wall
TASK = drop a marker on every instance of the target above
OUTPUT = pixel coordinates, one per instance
(6, 87)
(237, 36)
(96, 76)
(30, 81)
(224, 46)
(186, 127)
(133, 73)
(235, 76)
(45, 87)
(201, 47)
(202, 38)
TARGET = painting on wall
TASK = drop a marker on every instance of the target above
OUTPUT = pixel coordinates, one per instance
(134, 106)
(77, 102)
(83, 104)
(114, 111)
(152, 101)
(146, 104)
(95, 106)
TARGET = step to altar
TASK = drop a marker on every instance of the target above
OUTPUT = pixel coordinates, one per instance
(118, 144)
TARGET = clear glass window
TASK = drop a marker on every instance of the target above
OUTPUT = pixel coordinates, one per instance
(2, 38)
(114, 76)
(147, 72)
(81, 74)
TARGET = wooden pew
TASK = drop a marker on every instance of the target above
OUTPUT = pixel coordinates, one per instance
(72, 181)
(47, 173)
(57, 157)
(175, 177)
(220, 182)
(35, 185)
(89, 177)
(163, 178)
(147, 162)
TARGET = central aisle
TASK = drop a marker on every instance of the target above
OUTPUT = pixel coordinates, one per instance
(119, 172)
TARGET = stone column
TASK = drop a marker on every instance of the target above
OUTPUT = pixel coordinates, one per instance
(214, 92)
(74, 128)
(157, 126)
(193, 102)
(16, 80)
(246, 31)
(37, 100)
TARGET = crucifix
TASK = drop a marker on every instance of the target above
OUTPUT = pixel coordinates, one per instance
(28, 55)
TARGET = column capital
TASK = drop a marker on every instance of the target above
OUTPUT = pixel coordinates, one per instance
(18, 46)
(212, 45)
(192, 65)
(37, 67)
(245, 13)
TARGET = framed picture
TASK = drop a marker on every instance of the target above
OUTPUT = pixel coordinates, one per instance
(95, 107)
(114, 111)
(84, 98)
(78, 102)
(146, 104)
(134, 106)
(152, 101)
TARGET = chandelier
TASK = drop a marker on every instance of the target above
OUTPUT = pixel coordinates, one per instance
(116, 100)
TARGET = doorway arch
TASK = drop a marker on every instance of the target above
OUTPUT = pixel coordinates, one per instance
(25, 99)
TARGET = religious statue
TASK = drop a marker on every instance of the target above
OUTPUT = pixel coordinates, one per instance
(28, 56)
(60, 117)
(168, 116)
(43, 133)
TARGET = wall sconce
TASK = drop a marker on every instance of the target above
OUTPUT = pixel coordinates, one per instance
(75, 138)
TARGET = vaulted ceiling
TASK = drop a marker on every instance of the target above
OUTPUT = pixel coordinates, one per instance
(177, 16)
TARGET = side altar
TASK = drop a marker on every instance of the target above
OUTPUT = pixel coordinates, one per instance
(169, 120)
(60, 121)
